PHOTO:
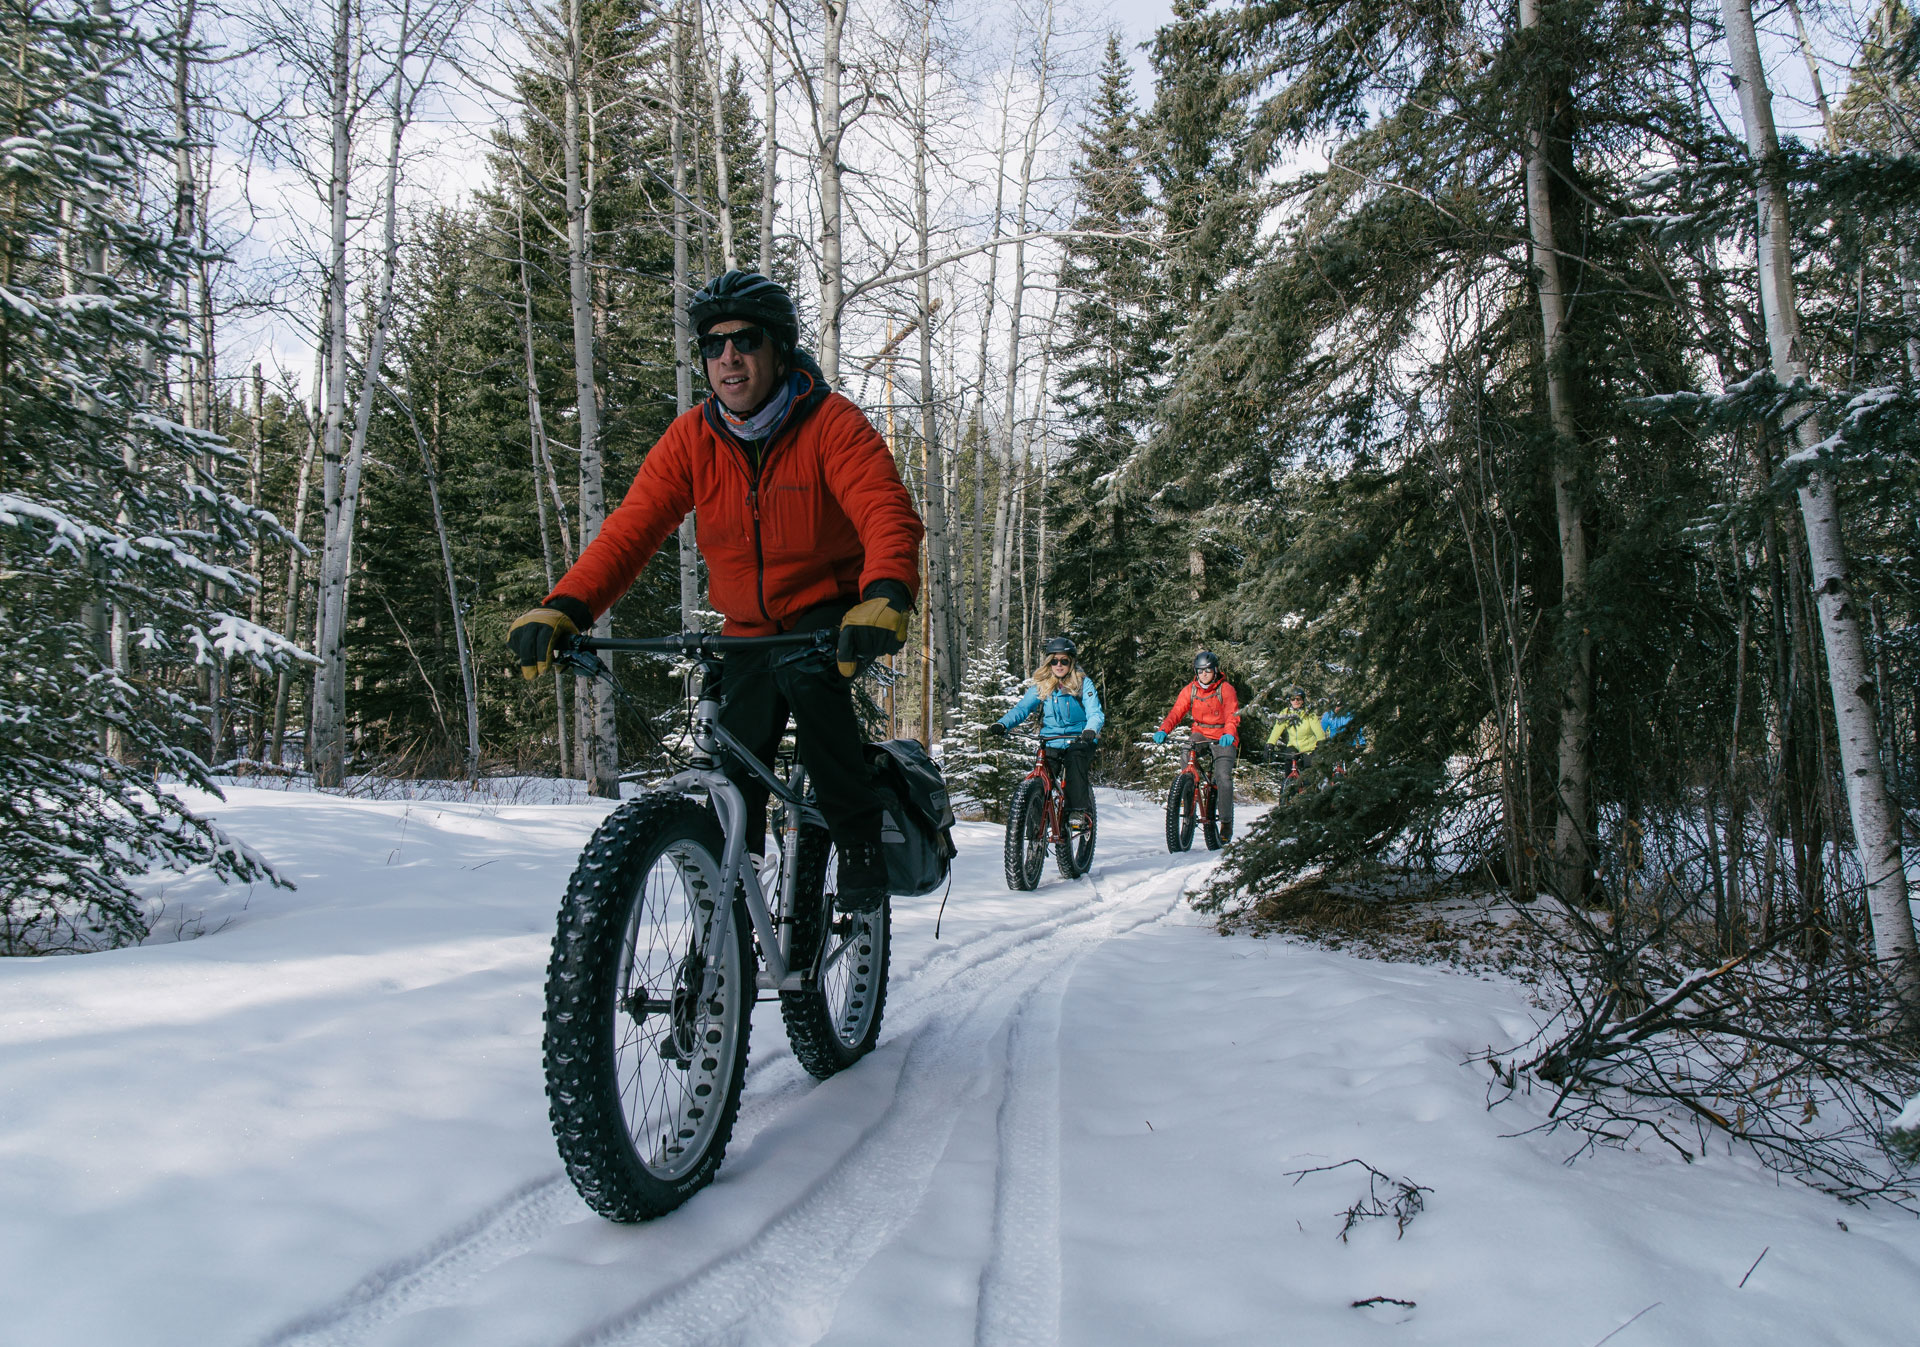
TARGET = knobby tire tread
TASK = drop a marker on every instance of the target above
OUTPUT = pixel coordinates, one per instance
(1179, 805)
(1027, 805)
(808, 1017)
(583, 1094)
(1067, 858)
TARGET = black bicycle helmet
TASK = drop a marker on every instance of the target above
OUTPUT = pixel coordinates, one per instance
(1299, 692)
(1060, 645)
(1205, 660)
(748, 295)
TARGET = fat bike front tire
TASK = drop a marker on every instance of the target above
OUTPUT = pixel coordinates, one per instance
(836, 1021)
(1180, 813)
(650, 993)
(1025, 854)
(1074, 857)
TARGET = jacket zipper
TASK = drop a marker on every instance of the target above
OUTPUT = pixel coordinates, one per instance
(759, 556)
(753, 503)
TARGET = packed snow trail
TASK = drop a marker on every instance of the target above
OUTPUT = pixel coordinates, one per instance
(1086, 1123)
(782, 1284)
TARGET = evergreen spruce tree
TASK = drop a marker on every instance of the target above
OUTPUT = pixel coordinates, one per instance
(1112, 550)
(982, 770)
(114, 527)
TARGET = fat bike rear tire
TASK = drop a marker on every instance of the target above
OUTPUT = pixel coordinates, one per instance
(1211, 825)
(1180, 813)
(836, 1021)
(645, 1052)
(1025, 855)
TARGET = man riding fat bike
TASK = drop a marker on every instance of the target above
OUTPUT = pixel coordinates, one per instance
(804, 524)
(1215, 711)
(1071, 718)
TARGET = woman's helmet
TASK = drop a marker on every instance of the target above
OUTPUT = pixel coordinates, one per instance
(1060, 645)
(1205, 660)
(748, 295)
(1299, 692)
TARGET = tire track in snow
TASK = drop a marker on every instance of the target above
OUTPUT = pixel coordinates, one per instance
(782, 1286)
(1020, 1286)
(437, 1274)
(442, 1272)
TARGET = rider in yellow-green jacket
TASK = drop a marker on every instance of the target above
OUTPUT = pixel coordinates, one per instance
(1296, 733)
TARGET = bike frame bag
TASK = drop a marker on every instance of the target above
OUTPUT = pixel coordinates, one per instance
(916, 823)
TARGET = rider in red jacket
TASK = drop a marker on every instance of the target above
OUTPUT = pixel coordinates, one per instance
(804, 524)
(1215, 711)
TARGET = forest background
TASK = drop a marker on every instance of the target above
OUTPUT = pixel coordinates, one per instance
(1504, 372)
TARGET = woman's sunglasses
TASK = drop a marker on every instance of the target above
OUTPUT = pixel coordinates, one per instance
(1062, 663)
(745, 342)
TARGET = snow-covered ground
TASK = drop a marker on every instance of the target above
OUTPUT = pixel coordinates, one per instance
(322, 1122)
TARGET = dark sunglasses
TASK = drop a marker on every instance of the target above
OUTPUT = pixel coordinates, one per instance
(1061, 661)
(745, 342)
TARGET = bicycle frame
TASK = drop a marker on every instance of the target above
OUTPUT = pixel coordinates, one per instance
(1054, 811)
(772, 920)
(1203, 786)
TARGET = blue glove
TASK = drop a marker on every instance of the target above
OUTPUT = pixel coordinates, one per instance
(1227, 739)
(1159, 736)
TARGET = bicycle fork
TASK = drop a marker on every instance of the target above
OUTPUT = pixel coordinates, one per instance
(772, 922)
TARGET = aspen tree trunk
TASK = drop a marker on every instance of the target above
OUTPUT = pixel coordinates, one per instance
(997, 602)
(326, 711)
(330, 752)
(599, 745)
(1040, 485)
(290, 609)
(256, 721)
(978, 627)
(544, 477)
(829, 121)
(1848, 675)
(769, 148)
(1572, 851)
(722, 179)
(938, 600)
(682, 330)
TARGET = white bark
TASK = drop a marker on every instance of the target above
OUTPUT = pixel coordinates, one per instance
(536, 416)
(937, 603)
(682, 330)
(722, 178)
(769, 149)
(1571, 845)
(325, 714)
(600, 745)
(998, 598)
(830, 130)
(978, 626)
(1848, 675)
(290, 609)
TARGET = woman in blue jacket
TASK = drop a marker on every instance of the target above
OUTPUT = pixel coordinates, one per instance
(1070, 718)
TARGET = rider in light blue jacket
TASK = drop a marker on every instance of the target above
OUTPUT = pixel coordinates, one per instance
(1071, 717)
(1064, 716)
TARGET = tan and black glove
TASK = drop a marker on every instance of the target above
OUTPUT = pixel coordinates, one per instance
(533, 634)
(875, 626)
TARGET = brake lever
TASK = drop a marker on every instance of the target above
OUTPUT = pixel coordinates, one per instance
(583, 662)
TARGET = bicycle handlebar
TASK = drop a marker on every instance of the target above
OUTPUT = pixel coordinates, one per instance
(699, 644)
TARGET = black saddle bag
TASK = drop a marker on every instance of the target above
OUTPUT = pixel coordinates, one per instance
(916, 824)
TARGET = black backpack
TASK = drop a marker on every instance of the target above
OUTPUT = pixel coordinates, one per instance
(916, 823)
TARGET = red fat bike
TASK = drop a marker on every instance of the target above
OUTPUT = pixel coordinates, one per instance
(1038, 817)
(1193, 799)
